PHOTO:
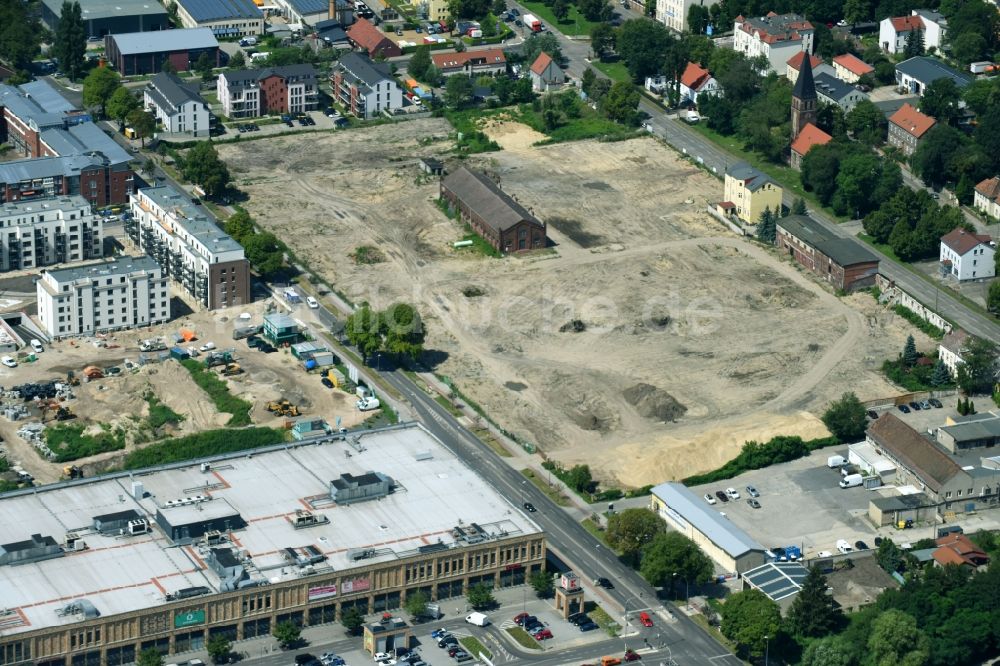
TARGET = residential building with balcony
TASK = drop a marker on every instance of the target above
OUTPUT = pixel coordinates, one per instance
(97, 298)
(366, 88)
(250, 93)
(93, 177)
(775, 37)
(49, 231)
(177, 106)
(190, 248)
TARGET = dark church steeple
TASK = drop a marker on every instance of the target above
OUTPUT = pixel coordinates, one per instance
(803, 97)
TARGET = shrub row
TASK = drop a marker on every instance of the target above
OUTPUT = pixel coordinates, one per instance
(755, 455)
(218, 391)
(202, 444)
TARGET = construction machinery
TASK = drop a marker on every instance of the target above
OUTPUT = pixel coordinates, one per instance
(72, 472)
(72, 379)
(231, 369)
(222, 357)
(283, 408)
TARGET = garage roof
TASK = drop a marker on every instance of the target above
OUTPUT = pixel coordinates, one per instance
(706, 520)
(778, 580)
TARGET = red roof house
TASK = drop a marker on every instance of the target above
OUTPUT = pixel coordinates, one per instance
(809, 136)
(365, 35)
(850, 68)
(959, 549)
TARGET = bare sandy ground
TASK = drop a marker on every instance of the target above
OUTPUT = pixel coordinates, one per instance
(693, 340)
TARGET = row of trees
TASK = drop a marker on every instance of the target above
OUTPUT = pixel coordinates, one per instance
(664, 558)
(849, 177)
(398, 330)
(69, 44)
(262, 248)
(910, 222)
(102, 88)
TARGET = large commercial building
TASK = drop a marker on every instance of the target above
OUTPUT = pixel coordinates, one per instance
(94, 177)
(48, 231)
(730, 547)
(249, 93)
(105, 17)
(225, 18)
(190, 247)
(136, 53)
(170, 557)
(98, 298)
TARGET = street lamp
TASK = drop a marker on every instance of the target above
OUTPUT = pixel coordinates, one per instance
(630, 599)
(767, 645)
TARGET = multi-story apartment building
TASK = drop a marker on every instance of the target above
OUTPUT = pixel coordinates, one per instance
(907, 128)
(366, 88)
(249, 93)
(674, 13)
(43, 232)
(28, 110)
(190, 248)
(775, 37)
(177, 106)
(107, 296)
(93, 177)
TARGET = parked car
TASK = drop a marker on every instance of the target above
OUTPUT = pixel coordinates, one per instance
(379, 656)
(575, 618)
(925, 405)
(872, 414)
(903, 408)
(36, 346)
(542, 634)
(860, 545)
(752, 491)
(529, 507)
(524, 618)
(709, 499)
(722, 496)
(754, 504)
(824, 553)
(9, 361)
(533, 626)
(208, 346)
(915, 406)
(438, 634)
(325, 381)
(312, 302)
(588, 626)
(305, 659)
(935, 403)
(732, 494)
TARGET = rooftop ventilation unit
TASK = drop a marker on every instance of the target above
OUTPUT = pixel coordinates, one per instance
(186, 501)
(360, 554)
(304, 518)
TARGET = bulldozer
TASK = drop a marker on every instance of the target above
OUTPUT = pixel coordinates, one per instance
(231, 369)
(283, 408)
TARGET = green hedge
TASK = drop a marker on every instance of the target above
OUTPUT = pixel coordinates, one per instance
(755, 455)
(218, 391)
(69, 442)
(918, 321)
(202, 444)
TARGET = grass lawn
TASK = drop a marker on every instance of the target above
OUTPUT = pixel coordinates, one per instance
(575, 23)
(473, 140)
(616, 71)
(540, 483)
(523, 638)
(487, 438)
(593, 528)
(447, 404)
(604, 621)
(474, 647)
(589, 125)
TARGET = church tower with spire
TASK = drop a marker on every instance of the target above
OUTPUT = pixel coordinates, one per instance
(803, 98)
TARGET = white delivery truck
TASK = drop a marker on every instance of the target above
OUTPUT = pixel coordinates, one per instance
(368, 403)
(834, 462)
(851, 481)
(478, 619)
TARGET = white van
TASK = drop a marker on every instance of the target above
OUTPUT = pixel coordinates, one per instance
(851, 481)
(478, 619)
(844, 547)
(312, 302)
(36, 346)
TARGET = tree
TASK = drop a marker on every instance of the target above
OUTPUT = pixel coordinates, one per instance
(468, 9)
(121, 103)
(287, 634)
(867, 123)
(203, 66)
(630, 530)
(144, 124)
(99, 86)
(560, 10)
(814, 613)
(403, 331)
(416, 603)
(977, 371)
(986, 136)
(766, 231)
(458, 91)
(933, 157)
(420, 62)
(896, 641)
(167, 67)
(889, 556)
(352, 619)
(698, 19)
(910, 355)
(643, 46)
(202, 166)
(595, 10)
(363, 330)
(968, 47)
(858, 11)
(819, 171)
(598, 91)
(846, 419)
(20, 34)
(541, 43)
(69, 44)
(799, 206)
(265, 252)
(150, 657)
(480, 596)
(750, 619)
(982, 95)
(602, 39)
(830, 651)
(237, 61)
(579, 478)
(499, 7)
(671, 555)
(940, 100)
(940, 375)
(219, 649)
(587, 80)
(914, 44)
(239, 226)
(621, 104)
(965, 190)
(542, 584)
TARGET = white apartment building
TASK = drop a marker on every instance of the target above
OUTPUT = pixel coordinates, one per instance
(189, 247)
(250, 93)
(42, 232)
(967, 256)
(894, 31)
(674, 13)
(366, 88)
(178, 107)
(106, 296)
(776, 37)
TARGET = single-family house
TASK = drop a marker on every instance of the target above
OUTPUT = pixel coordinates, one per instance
(966, 255)
(958, 549)
(751, 192)
(894, 31)
(365, 87)
(950, 349)
(776, 37)
(177, 106)
(493, 214)
(695, 81)
(919, 72)
(843, 262)
(907, 128)
(831, 90)
(472, 63)
(809, 136)
(850, 68)
(987, 197)
(545, 73)
(364, 35)
(794, 66)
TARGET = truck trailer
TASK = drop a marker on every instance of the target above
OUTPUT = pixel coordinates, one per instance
(531, 21)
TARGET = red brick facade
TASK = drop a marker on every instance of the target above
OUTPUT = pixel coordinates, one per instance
(273, 95)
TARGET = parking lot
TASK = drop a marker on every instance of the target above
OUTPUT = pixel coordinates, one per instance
(929, 419)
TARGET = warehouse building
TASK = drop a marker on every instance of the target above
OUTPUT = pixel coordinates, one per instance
(98, 298)
(137, 53)
(225, 18)
(729, 546)
(48, 231)
(169, 557)
(842, 262)
(106, 17)
(205, 261)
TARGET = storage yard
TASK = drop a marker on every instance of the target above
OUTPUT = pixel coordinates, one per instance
(648, 341)
(115, 404)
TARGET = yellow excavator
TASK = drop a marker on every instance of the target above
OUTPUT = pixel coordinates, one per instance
(283, 408)
(232, 369)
